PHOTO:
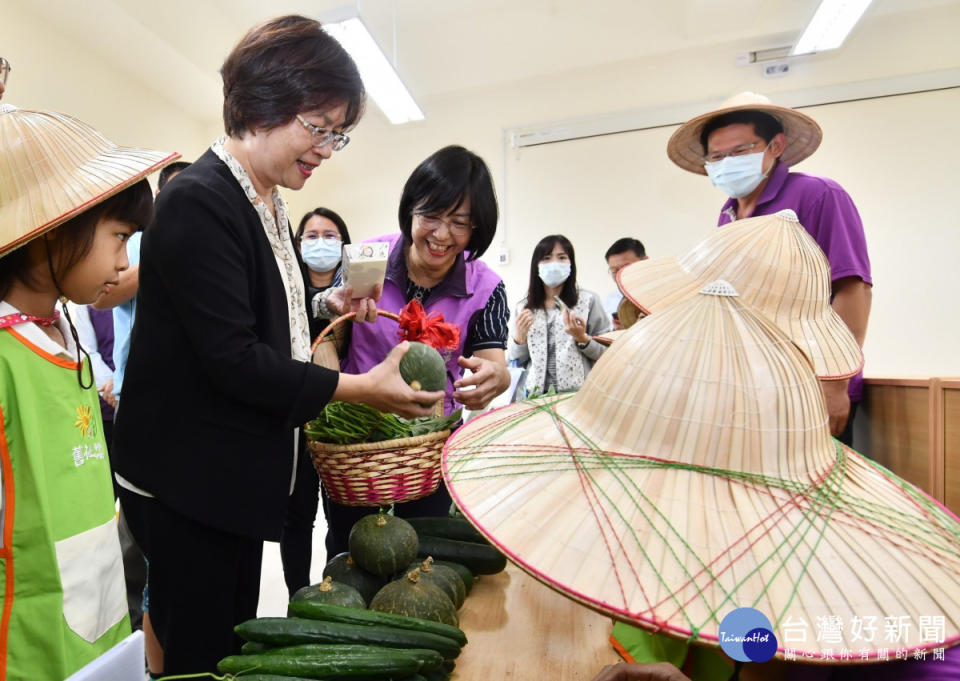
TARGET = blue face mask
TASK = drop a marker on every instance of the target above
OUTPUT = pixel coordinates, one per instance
(321, 255)
(737, 176)
(553, 273)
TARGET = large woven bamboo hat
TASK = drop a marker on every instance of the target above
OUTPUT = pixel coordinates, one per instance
(53, 167)
(777, 268)
(693, 474)
(802, 132)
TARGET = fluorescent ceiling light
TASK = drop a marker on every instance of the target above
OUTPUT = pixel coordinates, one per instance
(832, 22)
(379, 77)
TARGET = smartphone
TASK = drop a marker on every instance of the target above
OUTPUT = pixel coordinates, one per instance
(559, 303)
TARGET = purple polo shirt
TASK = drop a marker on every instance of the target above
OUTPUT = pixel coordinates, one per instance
(827, 212)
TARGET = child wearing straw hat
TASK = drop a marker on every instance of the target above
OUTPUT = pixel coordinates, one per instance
(69, 200)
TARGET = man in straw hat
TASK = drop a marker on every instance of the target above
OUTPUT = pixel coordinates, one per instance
(69, 200)
(694, 475)
(746, 147)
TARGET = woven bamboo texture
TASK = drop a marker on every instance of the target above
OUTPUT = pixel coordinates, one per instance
(694, 473)
(380, 473)
(53, 167)
(776, 267)
(802, 132)
(373, 473)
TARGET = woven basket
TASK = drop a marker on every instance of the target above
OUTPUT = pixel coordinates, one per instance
(374, 473)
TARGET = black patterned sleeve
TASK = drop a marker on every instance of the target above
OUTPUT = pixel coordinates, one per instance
(488, 328)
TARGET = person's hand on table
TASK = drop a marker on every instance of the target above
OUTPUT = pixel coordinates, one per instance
(661, 671)
(384, 389)
(575, 326)
(489, 377)
(341, 300)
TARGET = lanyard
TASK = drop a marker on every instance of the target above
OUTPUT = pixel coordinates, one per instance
(20, 318)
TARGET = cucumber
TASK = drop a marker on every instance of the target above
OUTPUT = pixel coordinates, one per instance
(334, 613)
(273, 677)
(254, 648)
(428, 659)
(481, 559)
(341, 665)
(288, 631)
(461, 569)
(448, 528)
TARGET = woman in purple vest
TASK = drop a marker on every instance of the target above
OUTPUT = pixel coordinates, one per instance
(448, 217)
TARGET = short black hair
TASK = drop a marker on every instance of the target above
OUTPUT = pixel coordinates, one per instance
(169, 171)
(133, 205)
(324, 213)
(283, 67)
(441, 183)
(626, 244)
(765, 125)
(536, 290)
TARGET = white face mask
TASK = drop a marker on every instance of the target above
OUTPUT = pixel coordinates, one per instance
(553, 273)
(737, 176)
(321, 255)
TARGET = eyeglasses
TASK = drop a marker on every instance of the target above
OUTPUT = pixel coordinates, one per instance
(313, 236)
(5, 70)
(322, 136)
(715, 156)
(457, 226)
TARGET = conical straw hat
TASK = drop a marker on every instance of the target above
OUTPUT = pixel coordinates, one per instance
(694, 473)
(53, 167)
(777, 268)
(802, 132)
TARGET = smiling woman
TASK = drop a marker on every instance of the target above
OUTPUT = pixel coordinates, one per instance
(448, 217)
(219, 377)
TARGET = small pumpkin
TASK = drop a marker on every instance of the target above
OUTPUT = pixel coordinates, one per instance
(414, 597)
(444, 577)
(329, 591)
(344, 569)
(383, 544)
(423, 368)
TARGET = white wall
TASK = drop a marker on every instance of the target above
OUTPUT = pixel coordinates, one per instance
(895, 156)
(53, 71)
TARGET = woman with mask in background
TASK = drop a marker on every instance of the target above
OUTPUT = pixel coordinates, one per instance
(320, 238)
(555, 323)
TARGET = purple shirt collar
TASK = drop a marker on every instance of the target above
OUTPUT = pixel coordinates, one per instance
(777, 179)
(454, 284)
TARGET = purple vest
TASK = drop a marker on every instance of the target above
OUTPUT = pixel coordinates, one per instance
(102, 321)
(459, 297)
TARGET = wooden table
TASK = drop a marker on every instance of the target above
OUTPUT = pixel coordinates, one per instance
(520, 629)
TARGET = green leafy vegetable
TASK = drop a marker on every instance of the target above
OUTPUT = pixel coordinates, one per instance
(345, 423)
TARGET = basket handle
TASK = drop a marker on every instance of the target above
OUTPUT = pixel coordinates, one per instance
(342, 318)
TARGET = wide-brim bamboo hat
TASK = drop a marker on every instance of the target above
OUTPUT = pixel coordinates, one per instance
(694, 473)
(777, 268)
(802, 132)
(53, 167)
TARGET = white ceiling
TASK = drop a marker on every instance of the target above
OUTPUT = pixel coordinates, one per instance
(443, 46)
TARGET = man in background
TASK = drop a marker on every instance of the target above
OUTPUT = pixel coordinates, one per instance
(621, 253)
(746, 147)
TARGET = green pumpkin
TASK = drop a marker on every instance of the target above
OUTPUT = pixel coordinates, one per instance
(444, 577)
(414, 597)
(423, 368)
(383, 544)
(329, 591)
(344, 569)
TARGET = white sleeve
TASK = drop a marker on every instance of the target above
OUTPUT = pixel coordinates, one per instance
(88, 339)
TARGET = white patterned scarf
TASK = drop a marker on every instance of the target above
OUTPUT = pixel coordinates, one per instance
(283, 251)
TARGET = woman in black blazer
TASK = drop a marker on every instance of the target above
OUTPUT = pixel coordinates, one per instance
(219, 375)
